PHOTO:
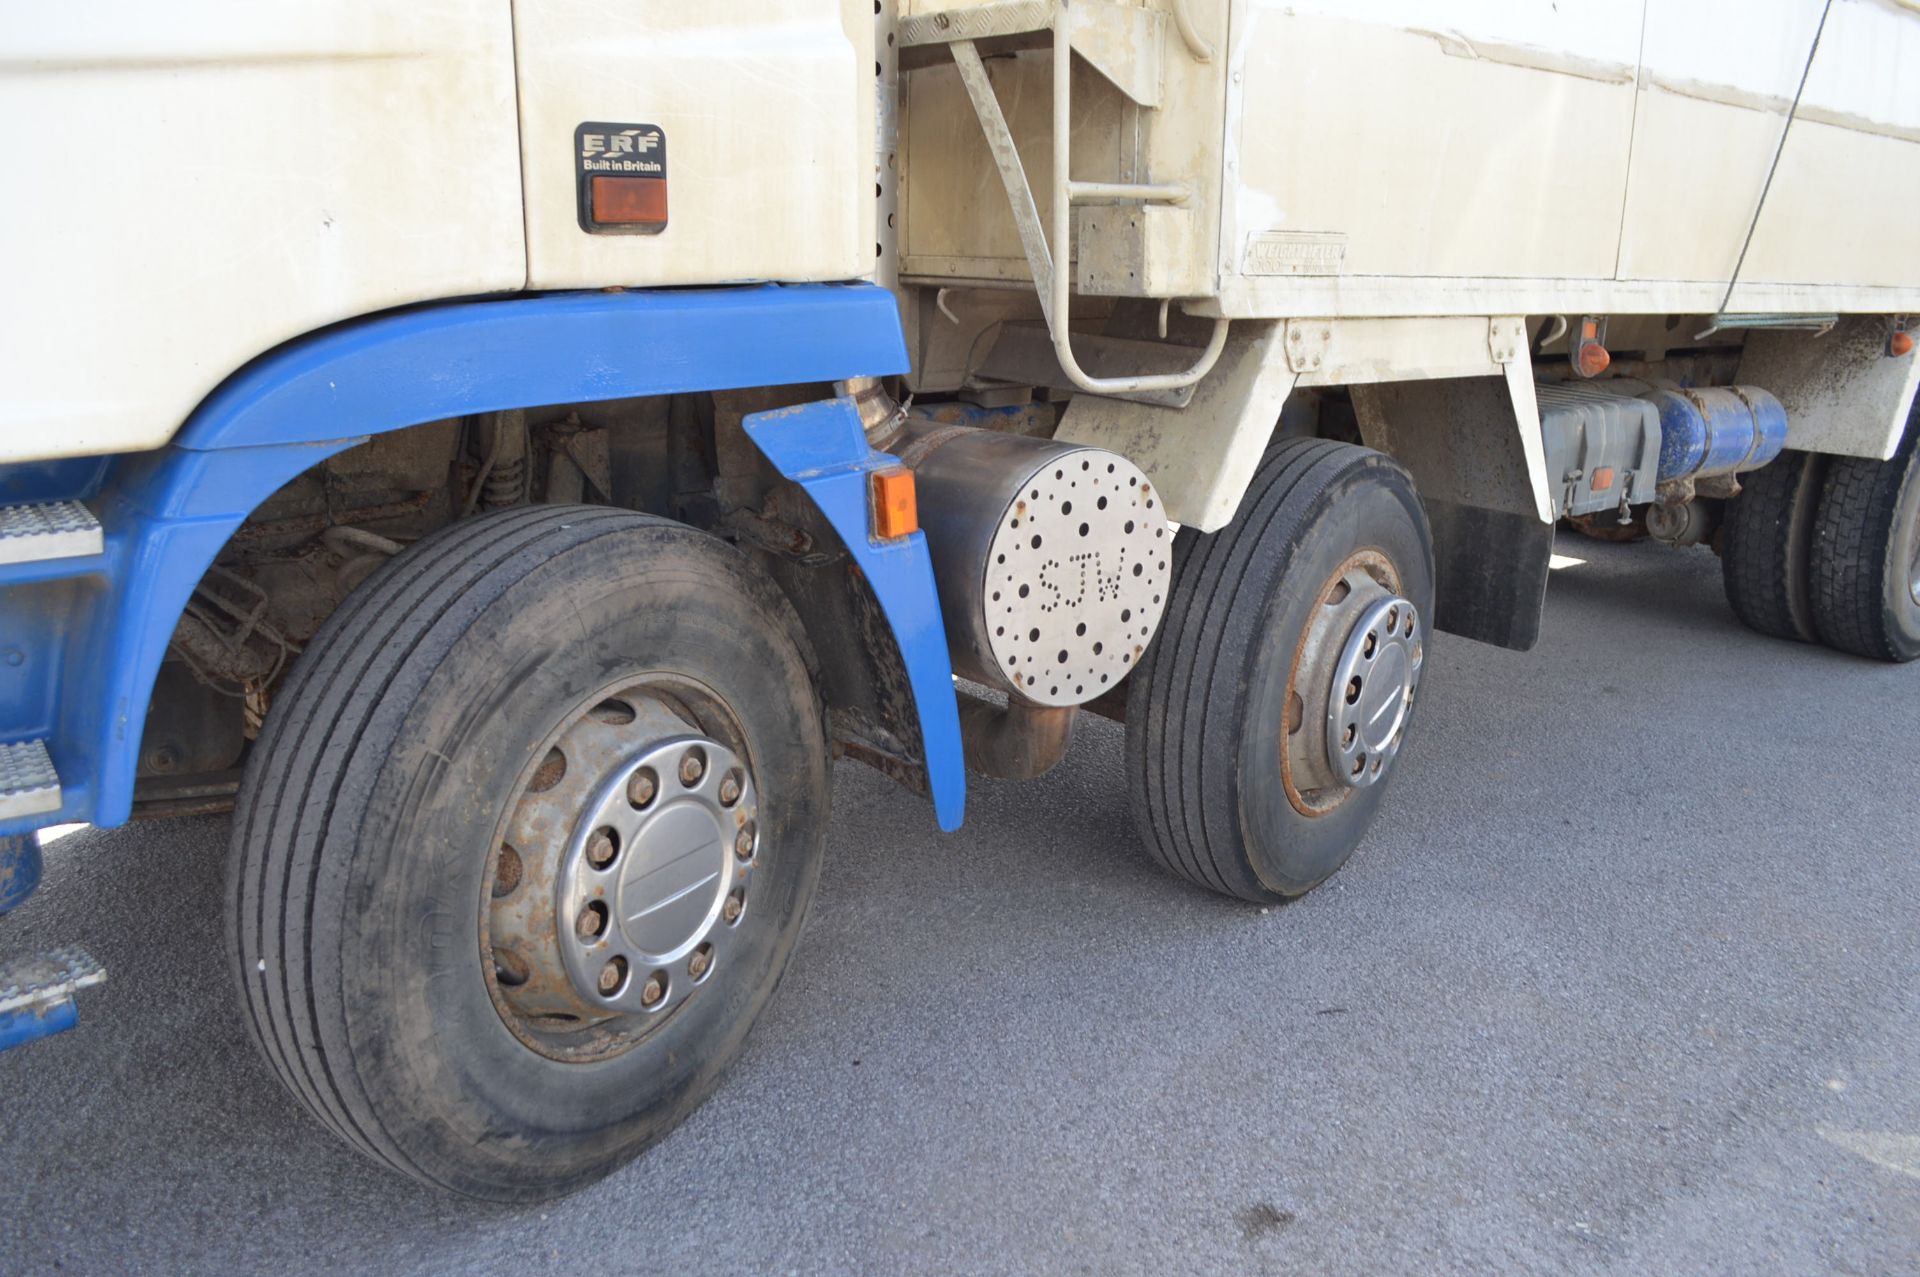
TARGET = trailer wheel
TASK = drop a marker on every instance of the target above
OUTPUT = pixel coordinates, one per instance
(526, 844)
(1766, 539)
(1270, 707)
(1865, 565)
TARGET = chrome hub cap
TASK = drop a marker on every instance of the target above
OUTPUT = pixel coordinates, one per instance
(1372, 690)
(1913, 568)
(622, 878)
(661, 870)
(1352, 688)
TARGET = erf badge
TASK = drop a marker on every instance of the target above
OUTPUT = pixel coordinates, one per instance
(621, 175)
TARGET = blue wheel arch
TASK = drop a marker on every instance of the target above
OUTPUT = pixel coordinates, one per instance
(104, 623)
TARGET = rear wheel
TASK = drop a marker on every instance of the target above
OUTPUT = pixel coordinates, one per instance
(1766, 542)
(1865, 563)
(1267, 714)
(526, 845)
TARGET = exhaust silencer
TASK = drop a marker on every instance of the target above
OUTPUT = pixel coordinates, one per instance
(1052, 560)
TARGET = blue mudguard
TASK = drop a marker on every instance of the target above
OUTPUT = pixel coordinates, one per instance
(86, 636)
(823, 448)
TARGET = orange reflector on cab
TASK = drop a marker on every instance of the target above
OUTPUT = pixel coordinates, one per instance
(1900, 344)
(629, 201)
(1602, 479)
(895, 512)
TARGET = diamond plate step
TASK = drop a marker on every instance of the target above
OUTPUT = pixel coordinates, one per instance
(49, 530)
(28, 784)
(43, 978)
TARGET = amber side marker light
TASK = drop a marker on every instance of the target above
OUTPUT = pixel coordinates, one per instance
(1590, 356)
(629, 201)
(890, 495)
(1900, 344)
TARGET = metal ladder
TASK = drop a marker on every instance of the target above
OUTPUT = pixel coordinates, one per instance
(1124, 43)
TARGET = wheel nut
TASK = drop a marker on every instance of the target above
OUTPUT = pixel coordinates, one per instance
(697, 965)
(652, 991)
(729, 792)
(692, 768)
(587, 925)
(601, 848)
(611, 975)
(743, 842)
(640, 789)
(731, 910)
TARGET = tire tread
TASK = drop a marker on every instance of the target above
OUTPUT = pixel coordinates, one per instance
(1853, 550)
(309, 781)
(1765, 548)
(1180, 763)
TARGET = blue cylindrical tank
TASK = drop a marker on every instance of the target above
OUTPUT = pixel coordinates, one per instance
(1716, 430)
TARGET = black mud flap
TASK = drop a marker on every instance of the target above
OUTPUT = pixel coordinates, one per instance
(1490, 572)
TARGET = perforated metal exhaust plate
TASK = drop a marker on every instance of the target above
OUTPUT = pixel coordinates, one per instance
(1077, 577)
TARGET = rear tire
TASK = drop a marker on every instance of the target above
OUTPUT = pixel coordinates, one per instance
(1766, 543)
(369, 882)
(1232, 777)
(1865, 563)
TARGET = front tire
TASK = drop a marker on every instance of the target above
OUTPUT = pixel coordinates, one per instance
(430, 990)
(1267, 712)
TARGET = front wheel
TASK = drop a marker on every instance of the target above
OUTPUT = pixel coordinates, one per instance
(526, 845)
(1267, 713)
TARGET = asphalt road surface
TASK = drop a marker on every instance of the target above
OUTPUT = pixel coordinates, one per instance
(1623, 981)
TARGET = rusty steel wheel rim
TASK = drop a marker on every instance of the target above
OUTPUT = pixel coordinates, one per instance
(1351, 686)
(1913, 562)
(619, 884)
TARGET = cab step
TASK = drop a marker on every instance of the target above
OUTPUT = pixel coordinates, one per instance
(36, 993)
(48, 530)
(29, 786)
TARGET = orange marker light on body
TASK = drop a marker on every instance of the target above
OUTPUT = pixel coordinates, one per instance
(629, 201)
(890, 496)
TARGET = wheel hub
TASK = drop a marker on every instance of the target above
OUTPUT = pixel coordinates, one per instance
(1913, 568)
(1372, 690)
(674, 860)
(622, 877)
(1353, 683)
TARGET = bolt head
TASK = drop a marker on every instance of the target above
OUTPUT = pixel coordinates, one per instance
(731, 910)
(692, 768)
(729, 791)
(587, 925)
(697, 965)
(652, 991)
(640, 789)
(600, 849)
(610, 978)
(743, 842)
